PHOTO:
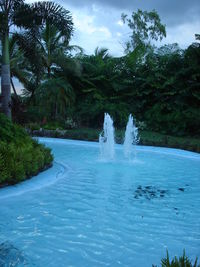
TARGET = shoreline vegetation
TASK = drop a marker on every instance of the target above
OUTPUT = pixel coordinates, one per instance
(147, 138)
(21, 157)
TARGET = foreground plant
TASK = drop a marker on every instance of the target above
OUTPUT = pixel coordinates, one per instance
(20, 156)
(182, 261)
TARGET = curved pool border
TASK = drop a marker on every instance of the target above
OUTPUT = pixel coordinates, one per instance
(43, 179)
(155, 149)
(60, 170)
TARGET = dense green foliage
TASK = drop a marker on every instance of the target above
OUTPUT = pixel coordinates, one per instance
(159, 86)
(20, 156)
(182, 261)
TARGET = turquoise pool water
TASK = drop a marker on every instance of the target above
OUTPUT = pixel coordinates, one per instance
(86, 212)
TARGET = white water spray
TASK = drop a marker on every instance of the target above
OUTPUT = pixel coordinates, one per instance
(107, 139)
(131, 138)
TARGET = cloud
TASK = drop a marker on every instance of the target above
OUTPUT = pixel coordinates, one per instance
(183, 34)
(97, 22)
(120, 23)
(96, 27)
(171, 11)
(89, 33)
(85, 23)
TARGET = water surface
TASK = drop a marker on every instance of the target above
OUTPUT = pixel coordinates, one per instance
(88, 212)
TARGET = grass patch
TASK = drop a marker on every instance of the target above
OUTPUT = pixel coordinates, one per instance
(156, 139)
(147, 138)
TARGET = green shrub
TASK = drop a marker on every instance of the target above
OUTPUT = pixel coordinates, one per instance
(3, 170)
(53, 126)
(33, 126)
(10, 132)
(20, 156)
(182, 261)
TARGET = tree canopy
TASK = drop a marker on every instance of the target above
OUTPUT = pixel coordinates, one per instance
(158, 85)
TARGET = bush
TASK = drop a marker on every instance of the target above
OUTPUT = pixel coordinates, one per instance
(20, 156)
(182, 261)
(33, 126)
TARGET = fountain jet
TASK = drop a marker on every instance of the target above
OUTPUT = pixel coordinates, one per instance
(107, 139)
(131, 138)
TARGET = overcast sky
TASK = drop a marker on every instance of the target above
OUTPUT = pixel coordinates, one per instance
(97, 22)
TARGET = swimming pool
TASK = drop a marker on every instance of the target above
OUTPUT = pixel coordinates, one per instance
(88, 212)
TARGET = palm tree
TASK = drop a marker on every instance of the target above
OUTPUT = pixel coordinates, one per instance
(55, 96)
(18, 63)
(16, 12)
(50, 63)
(60, 71)
(54, 48)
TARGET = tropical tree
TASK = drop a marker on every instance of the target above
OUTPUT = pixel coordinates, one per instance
(18, 64)
(49, 58)
(145, 26)
(100, 88)
(53, 71)
(16, 12)
(50, 43)
(53, 98)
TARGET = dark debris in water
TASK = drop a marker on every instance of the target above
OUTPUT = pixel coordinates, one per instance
(181, 189)
(149, 192)
(11, 256)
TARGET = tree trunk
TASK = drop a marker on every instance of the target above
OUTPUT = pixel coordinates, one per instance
(5, 77)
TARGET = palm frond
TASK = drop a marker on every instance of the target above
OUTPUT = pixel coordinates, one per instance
(30, 50)
(75, 48)
(101, 52)
(39, 13)
(54, 14)
(56, 92)
(69, 66)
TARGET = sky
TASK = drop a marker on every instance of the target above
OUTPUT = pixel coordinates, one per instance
(98, 22)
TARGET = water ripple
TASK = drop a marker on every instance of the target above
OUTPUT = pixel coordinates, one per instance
(88, 214)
